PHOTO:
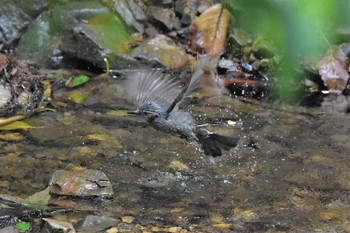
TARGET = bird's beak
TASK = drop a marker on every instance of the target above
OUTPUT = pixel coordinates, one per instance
(135, 112)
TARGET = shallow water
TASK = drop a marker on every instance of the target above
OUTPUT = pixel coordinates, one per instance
(289, 172)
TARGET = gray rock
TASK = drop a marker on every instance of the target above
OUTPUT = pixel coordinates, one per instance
(12, 22)
(9, 229)
(131, 12)
(15, 16)
(164, 18)
(94, 223)
(81, 183)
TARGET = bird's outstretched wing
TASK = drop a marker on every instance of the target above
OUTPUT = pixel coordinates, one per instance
(152, 86)
(192, 84)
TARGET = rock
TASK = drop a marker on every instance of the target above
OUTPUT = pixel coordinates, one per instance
(9, 229)
(59, 225)
(157, 180)
(164, 18)
(161, 50)
(5, 93)
(188, 10)
(15, 16)
(131, 13)
(83, 183)
(94, 223)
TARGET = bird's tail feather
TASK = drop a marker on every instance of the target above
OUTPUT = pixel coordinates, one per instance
(213, 144)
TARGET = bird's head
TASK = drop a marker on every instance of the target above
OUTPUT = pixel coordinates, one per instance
(149, 110)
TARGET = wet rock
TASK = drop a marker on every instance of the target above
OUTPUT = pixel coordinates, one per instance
(123, 227)
(94, 223)
(131, 13)
(59, 225)
(187, 10)
(15, 16)
(164, 18)
(161, 50)
(12, 21)
(157, 180)
(9, 229)
(81, 183)
(83, 45)
(5, 93)
(77, 31)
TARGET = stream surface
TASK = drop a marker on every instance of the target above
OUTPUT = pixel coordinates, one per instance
(289, 172)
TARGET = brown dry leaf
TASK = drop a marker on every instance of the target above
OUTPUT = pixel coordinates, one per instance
(209, 30)
(334, 68)
(4, 61)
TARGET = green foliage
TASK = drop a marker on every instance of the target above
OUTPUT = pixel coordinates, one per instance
(300, 30)
(77, 81)
(23, 226)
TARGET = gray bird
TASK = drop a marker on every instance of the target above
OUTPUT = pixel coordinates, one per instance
(158, 97)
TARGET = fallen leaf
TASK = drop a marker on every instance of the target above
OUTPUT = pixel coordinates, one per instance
(76, 96)
(4, 121)
(23, 226)
(209, 30)
(16, 125)
(334, 68)
(47, 89)
(222, 225)
(77, 81)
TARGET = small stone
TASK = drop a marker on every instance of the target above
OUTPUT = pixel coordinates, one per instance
(174, 229)
(11, 137)
(112, 230)
(217, 218)
(127, 219)
(95, 223)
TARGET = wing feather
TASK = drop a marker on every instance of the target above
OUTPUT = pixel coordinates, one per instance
(143, 86)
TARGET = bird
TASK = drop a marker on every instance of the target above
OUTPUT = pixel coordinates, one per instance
(158, 97)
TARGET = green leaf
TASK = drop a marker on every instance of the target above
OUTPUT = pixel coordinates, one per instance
(77, 81)
(23, 226)
(16, 125)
